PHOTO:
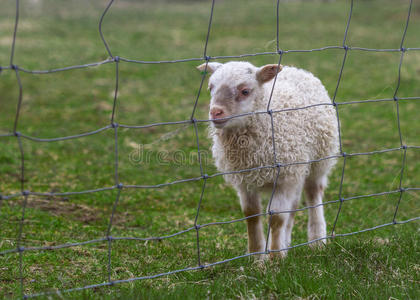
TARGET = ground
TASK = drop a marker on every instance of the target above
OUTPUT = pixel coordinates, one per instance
(378, 264)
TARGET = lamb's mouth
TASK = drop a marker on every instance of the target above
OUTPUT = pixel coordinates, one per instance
(219, 123)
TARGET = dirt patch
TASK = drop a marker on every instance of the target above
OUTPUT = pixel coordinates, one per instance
(62, 207)
(89, 215)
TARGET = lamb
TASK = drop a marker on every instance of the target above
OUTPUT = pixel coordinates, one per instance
(246, 142)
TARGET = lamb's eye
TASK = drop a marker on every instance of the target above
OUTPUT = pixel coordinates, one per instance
(245, 92)
(210, 87)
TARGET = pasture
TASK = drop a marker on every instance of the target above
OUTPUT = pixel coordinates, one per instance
(379, 264)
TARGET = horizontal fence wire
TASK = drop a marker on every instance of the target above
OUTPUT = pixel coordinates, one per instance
(120, 187)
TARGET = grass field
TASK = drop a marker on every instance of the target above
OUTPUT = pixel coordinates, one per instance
(379, 264)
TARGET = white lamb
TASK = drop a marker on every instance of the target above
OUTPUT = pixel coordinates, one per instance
(246, 142)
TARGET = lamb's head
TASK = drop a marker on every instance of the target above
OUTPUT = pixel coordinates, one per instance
(236, 88)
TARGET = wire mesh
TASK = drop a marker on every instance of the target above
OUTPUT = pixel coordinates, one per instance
(119, 186)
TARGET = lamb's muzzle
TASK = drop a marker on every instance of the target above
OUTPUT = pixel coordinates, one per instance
(218, 117)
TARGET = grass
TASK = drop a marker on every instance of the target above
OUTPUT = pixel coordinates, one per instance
(380, 264)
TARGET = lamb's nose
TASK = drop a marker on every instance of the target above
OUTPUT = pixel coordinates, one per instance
(216, 113)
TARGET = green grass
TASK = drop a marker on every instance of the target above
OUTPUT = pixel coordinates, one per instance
(379, 264)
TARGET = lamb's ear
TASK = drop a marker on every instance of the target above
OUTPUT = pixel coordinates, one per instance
(268, 72)
(211, 67)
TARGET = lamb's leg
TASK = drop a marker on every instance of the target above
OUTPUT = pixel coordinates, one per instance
(251, 205)
(278, 234)
(289, 227)
(317, 228)
(281, 224)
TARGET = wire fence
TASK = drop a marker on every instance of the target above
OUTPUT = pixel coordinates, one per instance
(113, 126)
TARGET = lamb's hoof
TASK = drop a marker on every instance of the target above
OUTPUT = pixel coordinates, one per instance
(260, 257)
(260, 261)
(318, 244)
(278, 255)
